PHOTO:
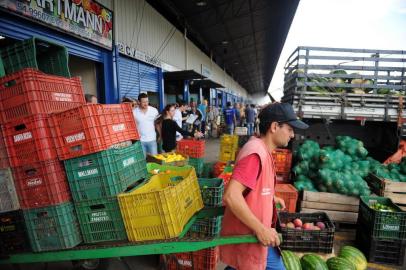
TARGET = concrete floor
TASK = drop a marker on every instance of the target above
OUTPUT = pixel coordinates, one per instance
(152, 262)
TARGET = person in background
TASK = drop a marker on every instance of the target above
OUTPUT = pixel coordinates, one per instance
(210, 120)
(229, 118)
(243, 120)
(203, 110)
(250, 195)
(237, 115)
(170, 127)
(250, 116)
(145, 116)
(91, 99)
(178, 117)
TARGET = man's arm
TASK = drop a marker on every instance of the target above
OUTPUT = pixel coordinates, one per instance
(234, 199)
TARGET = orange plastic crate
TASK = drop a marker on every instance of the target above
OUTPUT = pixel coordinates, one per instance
(283, 160)
(30, 91)
(289, 194)
(92, 128)
(191, 148)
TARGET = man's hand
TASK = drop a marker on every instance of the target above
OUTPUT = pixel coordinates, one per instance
(281, 202)
(268, 237)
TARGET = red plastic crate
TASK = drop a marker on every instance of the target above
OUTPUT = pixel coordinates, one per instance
(41, 184)
(4, 163)
(205, 259)
(226, 177)
(30, 91)
(29, 140)
(283, 160)
(92, 128)
(191, 148)
(289, 194)
(219, 168)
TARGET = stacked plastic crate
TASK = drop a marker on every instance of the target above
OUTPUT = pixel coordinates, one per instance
(212, 190)
(103, 157)
(381, 231)
(283, 163)
(27, 97)
(228, 147)
(194, 149)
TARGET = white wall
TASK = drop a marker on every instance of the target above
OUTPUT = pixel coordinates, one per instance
(140, 26)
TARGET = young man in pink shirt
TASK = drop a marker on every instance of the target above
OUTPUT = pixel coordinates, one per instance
(250, 196)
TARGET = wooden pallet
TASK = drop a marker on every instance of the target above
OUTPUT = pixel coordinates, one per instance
(396, 191)
(340, 208)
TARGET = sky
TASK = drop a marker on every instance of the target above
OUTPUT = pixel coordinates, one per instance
(365, 24)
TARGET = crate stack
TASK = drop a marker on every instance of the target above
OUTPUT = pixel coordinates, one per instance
(381, 233)
(212, 190)
(195, 150)
(228, 147)
(37, 83)
(100, 147)
(160, 208)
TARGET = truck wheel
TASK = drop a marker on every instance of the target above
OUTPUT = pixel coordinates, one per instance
(92, 264)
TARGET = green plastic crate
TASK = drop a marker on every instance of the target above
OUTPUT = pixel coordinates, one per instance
(390, 225)
(105, 173)
(207, 170)
(100, 220)
(197, 163)
(212, 191)
(36, 53)
(53, 227)
(206, 227)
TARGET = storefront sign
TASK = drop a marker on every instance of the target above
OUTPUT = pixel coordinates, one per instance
(84, 18)
(206, 71)
(136, 54)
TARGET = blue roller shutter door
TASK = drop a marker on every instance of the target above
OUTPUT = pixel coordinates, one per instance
(135, 77)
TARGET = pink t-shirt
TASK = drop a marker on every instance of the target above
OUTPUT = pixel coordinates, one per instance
(246, 171)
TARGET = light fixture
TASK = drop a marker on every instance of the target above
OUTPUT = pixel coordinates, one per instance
(1, 37)
(224, 42)
(201, 3)
(236, 63)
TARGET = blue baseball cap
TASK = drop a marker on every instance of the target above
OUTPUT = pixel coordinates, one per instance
(281, 113)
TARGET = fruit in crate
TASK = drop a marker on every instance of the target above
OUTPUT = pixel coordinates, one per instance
(308, 226)
(320, 225)
(382, 208)
(298, 222)
(171, 157)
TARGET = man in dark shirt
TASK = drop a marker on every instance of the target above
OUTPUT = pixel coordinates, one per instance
(250, 115)
(230, 118)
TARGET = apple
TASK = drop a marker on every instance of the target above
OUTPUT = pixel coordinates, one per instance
(283, 225)
(290, 225)
(308, 226)
(315, 228)
(321, 225)
(298, 222)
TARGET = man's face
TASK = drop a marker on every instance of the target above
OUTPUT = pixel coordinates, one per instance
(283, 134)
(144, 103)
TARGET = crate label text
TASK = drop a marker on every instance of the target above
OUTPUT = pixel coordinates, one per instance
(119, 127)
(76, 137)
(22, 136)
(63, 97)
(128, 161)
(88, 172)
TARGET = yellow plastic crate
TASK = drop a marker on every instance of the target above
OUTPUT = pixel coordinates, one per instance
(161, 208)
(227, 153)
(229, 140)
